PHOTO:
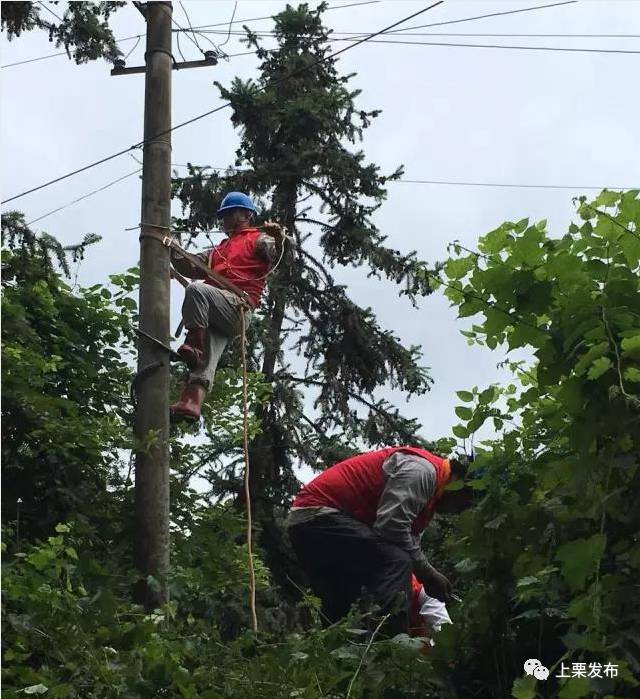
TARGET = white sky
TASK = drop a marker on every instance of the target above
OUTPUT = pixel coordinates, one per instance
(465, 114)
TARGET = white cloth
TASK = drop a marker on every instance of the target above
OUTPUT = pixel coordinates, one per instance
(433, 612)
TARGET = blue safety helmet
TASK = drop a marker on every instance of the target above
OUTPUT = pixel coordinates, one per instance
(236, 200)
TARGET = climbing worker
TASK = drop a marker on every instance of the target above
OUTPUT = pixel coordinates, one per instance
(426, 615)
(357, 525)
(212, 315)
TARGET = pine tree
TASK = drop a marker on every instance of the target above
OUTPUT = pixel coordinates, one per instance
(298, 122)
(83, 29)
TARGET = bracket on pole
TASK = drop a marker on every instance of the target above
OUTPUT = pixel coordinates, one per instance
(120, 68)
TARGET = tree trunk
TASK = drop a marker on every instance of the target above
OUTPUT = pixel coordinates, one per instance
(267, 452)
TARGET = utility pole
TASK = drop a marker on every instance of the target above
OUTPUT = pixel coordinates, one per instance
(151, 429)
(151, 543)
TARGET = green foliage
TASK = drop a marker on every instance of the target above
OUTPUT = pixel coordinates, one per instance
(553, 537)
(68, 631)
(83, 29)
(65, 378)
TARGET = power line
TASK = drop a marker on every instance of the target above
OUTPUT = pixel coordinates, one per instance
(268, 34)
(542, 36)
(182, 29)
(138, 36)
(420, 26)
(258, 19)
(480, 46)
(235, 7)
(337, 7)
(186, 14)
(135, 46)
(61, 53)
(84, 196)
(421, 43)
(48, 9)
(492, 14)
(455, 183)
(497, 46)
(221, 107)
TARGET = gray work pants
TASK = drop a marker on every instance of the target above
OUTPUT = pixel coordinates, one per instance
(206, 306)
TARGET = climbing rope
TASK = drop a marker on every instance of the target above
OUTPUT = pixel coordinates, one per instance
(247, 487)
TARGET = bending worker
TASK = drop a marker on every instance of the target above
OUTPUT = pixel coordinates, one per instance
(357, 525)
(212, 315)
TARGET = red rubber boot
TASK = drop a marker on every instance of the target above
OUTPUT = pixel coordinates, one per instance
(193, 351)
(190, 403)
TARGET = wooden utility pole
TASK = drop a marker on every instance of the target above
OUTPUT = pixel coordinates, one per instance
(151, 430)
(151, 545)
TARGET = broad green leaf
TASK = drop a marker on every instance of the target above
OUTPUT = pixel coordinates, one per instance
(599, 367)
(494, 241)
(630, 245)
(524, 687)
(575, 688)
(487, 396)
(464, 413)
(36, 689)
(606, 198)
(460, 431)
(465, 396)
(631, 346)
(594, 352)
(579, 559)
(632, 374)
(459, 268)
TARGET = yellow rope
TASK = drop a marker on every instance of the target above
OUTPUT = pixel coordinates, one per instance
(247, 490)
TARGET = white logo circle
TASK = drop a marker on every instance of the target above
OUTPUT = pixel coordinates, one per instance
(541, 672)
(530, 665)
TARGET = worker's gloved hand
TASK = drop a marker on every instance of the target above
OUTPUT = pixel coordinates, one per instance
(435, 583)
(273, 229)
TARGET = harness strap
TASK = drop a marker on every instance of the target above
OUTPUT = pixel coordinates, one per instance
(151, 231)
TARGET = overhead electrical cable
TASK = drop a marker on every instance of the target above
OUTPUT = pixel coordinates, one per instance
(186, 14)
(268, 34)
(491, 14)
(497, 46)
(219, 24)
(226, 41)
(453, 183)
(458, 183)
(220, 107)
(62, 53)
(186, 32)
(84, 196)
(48, 9)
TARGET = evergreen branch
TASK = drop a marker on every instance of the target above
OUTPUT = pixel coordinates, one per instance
(328, 278)
(372, 406)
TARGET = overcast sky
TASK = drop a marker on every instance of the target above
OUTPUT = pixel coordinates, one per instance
(449, 113)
